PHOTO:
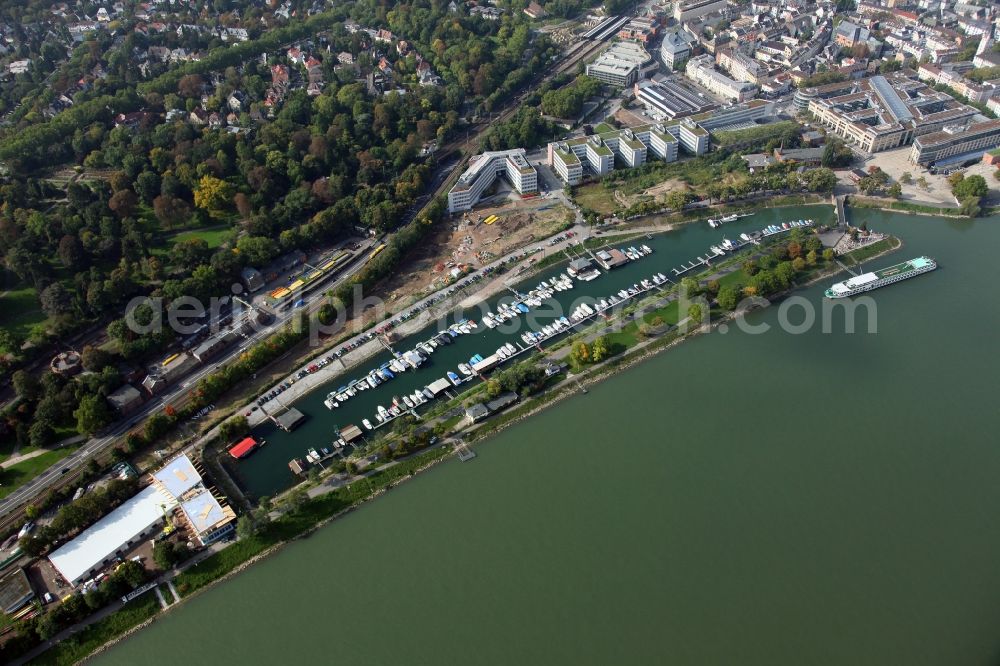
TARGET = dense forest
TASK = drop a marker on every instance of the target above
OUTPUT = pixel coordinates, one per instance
(297, 175)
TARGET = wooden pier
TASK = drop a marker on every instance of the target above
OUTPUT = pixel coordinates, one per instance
(463, 452)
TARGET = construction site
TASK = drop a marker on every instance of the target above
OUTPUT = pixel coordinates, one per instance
(475, 238)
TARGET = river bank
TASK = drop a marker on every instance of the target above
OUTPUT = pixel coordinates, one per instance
(704, 485)
(593, 375)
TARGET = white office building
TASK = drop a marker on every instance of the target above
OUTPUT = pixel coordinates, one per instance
(675, 48)
(620, 64)
(702, 69)
(597, 153)
(483, 171)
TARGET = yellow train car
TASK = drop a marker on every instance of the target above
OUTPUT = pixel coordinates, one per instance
(376, 251)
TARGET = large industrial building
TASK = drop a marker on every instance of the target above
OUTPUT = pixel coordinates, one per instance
(112, 536)
(668, 100)
(596, 154)
(483, 171)
(178, 485)
(619, 65)
(737, 116)
(955, 140)
(880, 113)
(702, 69)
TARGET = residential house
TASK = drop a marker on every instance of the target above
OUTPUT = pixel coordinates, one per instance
(535, 10)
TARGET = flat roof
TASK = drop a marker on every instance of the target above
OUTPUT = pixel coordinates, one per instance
(15, 590)
(439, 385)
(179, 476)
(289, 419)
(102, 539)
(350, 433)
(205, 512)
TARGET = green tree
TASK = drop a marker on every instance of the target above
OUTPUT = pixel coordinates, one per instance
(297, 499)
(94, 359)
(970, 207)
(600, 349)
(695, 313)
(26, 387)
(213, 195)
(233, 428)
(580, 353)
(729, 297)
(973, 186)
(906, 178)
(247, 526)
(690, 287)
(676, 200)
(168, 554)
(92, 414)
(895, 191)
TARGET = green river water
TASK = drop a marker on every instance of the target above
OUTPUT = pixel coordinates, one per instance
(819, 499)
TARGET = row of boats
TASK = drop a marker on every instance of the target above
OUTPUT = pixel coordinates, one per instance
(467, 371)
(546, 288)
(773, 229)
(715, 224)
(585, 310)
(409, 360)
(754, 237)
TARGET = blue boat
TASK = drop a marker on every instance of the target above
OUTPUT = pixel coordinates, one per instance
(386, 373)
(522, 307)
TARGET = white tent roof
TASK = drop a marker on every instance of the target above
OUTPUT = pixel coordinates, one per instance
(77, 558)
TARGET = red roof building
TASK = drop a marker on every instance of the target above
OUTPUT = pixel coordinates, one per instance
(244, 448)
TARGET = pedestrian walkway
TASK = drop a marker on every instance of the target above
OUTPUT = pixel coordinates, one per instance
(159, 595)
(173, 590)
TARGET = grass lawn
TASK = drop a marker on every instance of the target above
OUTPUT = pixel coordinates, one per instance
(669, 312)
(862, 253)
(734, 278)
(20, 312)
(18, 474)
(214, 236)
(595, 197)
(626, 337)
